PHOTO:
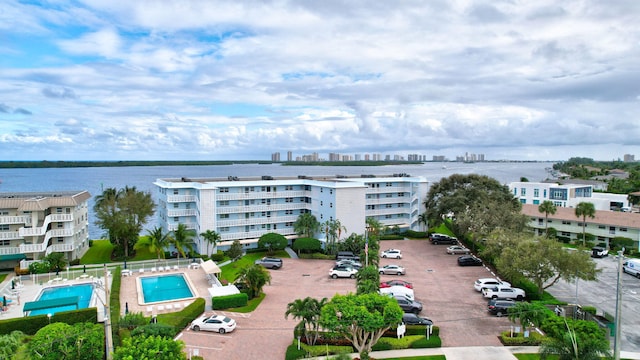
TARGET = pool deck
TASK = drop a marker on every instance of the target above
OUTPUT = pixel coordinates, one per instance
(129, 292)
(29, 290)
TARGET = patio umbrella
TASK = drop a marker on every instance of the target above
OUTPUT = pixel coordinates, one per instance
(126, 308)
(125, 263)
(4, 301)
(13, 284)
(57, 270)
(84, 269)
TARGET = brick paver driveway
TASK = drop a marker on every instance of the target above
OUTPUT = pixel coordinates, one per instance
(445, 289)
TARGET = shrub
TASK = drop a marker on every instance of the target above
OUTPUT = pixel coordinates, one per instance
(76, 316)
(114, 301)
(307, 245)
(229, 301)
(293, 353)
(133, 320)
(39, 267)
(590, 309)
(416, 234)
(179, 320)
(518, 339)
(317, 256)
(391, 237)
(218, 256)
(387, 343)
(162, 330)
(30, 325)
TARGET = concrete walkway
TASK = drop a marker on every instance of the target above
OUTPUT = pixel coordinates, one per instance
(291, 253)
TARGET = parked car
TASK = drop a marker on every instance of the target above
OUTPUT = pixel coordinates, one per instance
(396, 291)
(457, 249)
(391, 283)
(599, 252)
(217, 323)
(392, 254)
(346, 255)
(437, 239)
(413, 319)
(504, 292)
(270, 262)
(500, 307)
(409, 306)
(391, 270)
(488, 282)
(343, 271)
(353, 263)
(469, 260)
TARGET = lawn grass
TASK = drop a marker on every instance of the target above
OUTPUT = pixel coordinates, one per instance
(98, 253)
(144, 254)
(533, 357)
(231, 270)
(2, 277)
(429, 357)
(251, 305)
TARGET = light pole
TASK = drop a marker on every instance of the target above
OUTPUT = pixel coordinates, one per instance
(616, 344)
(108, 338)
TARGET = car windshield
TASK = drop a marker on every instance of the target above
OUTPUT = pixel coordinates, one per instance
(226, 319)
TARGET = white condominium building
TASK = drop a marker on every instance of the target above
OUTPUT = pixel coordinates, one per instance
(246, 208)
(33, 225)
(566, 195)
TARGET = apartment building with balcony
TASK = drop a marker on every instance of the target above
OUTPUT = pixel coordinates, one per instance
(566, 195)
(33, 225)
(246, 208)
(605, 226)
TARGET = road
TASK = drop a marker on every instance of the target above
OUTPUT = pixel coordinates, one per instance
(602, 294)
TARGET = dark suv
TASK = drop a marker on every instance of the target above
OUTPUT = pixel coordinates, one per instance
(437, 239)
(500, 307)
(270, 263)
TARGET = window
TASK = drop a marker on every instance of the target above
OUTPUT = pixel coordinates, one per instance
(330, 205)
(176, 219)
(288, 187)
(60, 239)
(289, 200)
(388, 195)
(4, 227)
(566, 234)
(388, 206)
(536, 192)
(523, 192)
(321, 202)
(59, 210)
(224, 203)
(176, 205)
(5, 242)
(224, 189)
(288, 212)
(400, 194)
(224, 216)
(330, 191)
(224, 229)
(387, 216)
(175, 191)
(602, 227)
(623, 229)
(565, 222)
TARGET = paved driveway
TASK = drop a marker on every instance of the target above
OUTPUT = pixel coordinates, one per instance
(445, 289)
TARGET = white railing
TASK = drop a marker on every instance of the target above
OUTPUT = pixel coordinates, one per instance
(9, 250)
(392, 200)
(256, 220)
(40, 230)
(261, 207)
(15, 220)
(10, 235)
(261, 195)
(388, 189)
(59, 248)
(227, 238)
(181, 198)
(41, 247)
(190, 226)
(182, 212)
(391, 211)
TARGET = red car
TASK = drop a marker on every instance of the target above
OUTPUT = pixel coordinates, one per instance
(391, 283)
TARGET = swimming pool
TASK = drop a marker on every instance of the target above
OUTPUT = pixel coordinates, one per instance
(162, 288)
(83, 291)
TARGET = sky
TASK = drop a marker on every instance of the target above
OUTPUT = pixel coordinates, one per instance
(240, 80)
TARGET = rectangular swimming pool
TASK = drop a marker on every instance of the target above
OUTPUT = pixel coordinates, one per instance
(164, 288)
(83, 291)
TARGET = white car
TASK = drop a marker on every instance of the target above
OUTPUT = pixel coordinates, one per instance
(343, 271)
(488, 282)
(392, 254)
(217, 323)
(397, 291)
(503, 292)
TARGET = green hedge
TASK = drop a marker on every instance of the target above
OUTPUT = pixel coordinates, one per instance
(179, 320)
(229, 301)
(406, 342)
(217, 257)
(518, 339)
(293, 353)
(31, 324)
(416, 234)
(391, 237)
(317, 256)
(114, 303)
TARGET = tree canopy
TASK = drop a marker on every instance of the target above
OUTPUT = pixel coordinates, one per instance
(361, 319)
(477, 203)
(272, 241)
(81, 341)
(149, 347)
(123, 213)
(306, 225)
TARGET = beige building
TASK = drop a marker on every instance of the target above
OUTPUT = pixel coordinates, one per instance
(33, 225)
(605, 226)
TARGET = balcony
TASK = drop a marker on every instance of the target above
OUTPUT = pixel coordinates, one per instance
(10, 235)
(190, 226)
(40, 230)
(182, 212)
(59, 248)
(42, 247)
(256, 221)
(9, 250)
(26, 220)
(260, 208)
(181, 198)
(261, 195)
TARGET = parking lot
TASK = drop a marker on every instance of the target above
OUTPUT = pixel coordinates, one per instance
(445, 289)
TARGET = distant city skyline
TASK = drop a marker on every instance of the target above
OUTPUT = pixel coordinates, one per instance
(218, 80)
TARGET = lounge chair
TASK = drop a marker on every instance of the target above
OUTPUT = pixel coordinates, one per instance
(153, 269)
(150, 310)
(176, 267)
(141, 270)
(160, 308)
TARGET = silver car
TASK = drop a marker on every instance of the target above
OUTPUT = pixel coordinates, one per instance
(391, 270)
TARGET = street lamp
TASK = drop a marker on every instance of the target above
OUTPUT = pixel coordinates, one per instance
(616, 344)
(108, 339)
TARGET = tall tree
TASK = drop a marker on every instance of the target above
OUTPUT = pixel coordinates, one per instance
(306, 225)
(528, 314)
(211, 238)
(547, 207)
(155, 242)
(583, 210)
(123, 214)
(183, 238)
(424, 221)
(361, 319)
(458, 194)
(544, 262)
(333, 230)
(368, 280)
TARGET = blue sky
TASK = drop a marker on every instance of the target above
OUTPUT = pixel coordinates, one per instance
(199, 80)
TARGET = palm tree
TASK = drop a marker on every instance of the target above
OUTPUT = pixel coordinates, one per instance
(528, 314)
(585, 209)
(256, 277)
(423, 220)
(572, 347)
(547, 207)
(211, 237)
(183, 238)
(302, 309)
(106, 208)
(155, 242)
(306, 225)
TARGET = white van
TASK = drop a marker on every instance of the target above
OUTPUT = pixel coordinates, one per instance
(632, 266)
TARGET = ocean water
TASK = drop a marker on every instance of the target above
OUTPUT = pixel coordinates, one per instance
(95, 179)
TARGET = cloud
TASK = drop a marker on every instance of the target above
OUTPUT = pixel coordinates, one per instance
(58, 93)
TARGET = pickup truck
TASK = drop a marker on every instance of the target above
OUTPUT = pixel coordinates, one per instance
(503, 292)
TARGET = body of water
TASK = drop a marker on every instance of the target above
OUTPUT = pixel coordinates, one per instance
(95, 179)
